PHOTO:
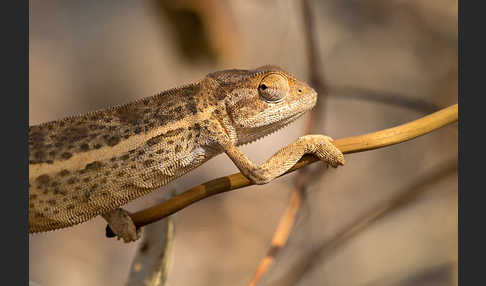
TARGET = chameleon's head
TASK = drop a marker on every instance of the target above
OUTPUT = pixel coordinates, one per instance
(263, 100)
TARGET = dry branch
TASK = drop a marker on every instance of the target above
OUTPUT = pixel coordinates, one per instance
(347, 145)
(403, 198)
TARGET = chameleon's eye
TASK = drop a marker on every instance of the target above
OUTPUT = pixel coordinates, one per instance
(273, 87)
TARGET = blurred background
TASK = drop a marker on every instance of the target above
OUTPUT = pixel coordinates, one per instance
(383, 63)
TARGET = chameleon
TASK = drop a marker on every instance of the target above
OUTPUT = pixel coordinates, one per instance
(92, 164)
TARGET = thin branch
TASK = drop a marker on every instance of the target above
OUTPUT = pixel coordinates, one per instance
(348, 145)
(404, 198)
(301, 182)
(153, 260)
(280, 236)
(383, 97)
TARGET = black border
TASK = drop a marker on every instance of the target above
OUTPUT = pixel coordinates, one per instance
(14, 118)
(471, 148)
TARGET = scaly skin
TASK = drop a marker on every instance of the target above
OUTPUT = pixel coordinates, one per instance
(91, 164)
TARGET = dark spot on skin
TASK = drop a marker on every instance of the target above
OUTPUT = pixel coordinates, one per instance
(43, 179)
(112, 141)
(189, 136)
(125, 157)
(52, 202)
(160, 151)
(138, 130)
(170, 142)
(49, 161)
(46, 209)
(154, 140)
(55, 212)
(32, 197)
(113, 159)
(40, 155)
(126, 136)
(94, 165)
(174, 132)
(64, 173)
(178, 148)
(87, 195)
(129, 115)
(191, 106)
(66, 155)
(141, 152)
(97, 146)
(133, 167)
(84, 147)
(148, 163)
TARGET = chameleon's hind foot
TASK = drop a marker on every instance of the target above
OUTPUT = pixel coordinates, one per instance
(121, 225)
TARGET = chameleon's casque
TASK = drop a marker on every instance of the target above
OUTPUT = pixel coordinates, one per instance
(87, 165)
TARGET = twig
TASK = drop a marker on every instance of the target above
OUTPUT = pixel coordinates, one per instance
(348, 145)
(280, 236)
(383, 97)
(153, 260)
(404, 197)
(301, 182)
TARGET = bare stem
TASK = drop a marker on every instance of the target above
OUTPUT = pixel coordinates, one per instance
(347, 145)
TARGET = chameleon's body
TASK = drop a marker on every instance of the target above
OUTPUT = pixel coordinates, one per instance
(89, 165)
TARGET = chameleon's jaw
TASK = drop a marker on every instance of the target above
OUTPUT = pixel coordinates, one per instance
(251, 135)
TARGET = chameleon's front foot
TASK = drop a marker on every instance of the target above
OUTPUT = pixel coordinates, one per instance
(322, 147)
(121, 225)
(318, 145)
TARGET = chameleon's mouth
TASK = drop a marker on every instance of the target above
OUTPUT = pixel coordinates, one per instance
(256, 133)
